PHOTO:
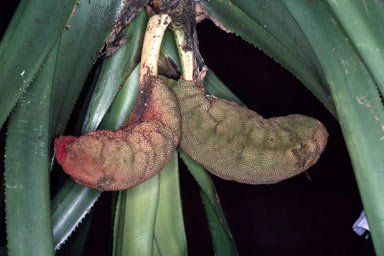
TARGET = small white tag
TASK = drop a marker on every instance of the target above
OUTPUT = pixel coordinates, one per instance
(361, 225)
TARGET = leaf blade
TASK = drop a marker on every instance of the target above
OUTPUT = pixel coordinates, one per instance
(27, 169)
(69, 207)
(136, 219)
(29, 38)
(79, 46)
(358, 103)
(275, 43)
(115, 71)
(221, 236)
(169, 227)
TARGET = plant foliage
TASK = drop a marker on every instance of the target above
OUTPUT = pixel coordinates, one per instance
(335, 48)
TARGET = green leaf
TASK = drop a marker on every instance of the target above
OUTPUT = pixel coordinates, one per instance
(123, 103)
(156, 251)
(115, 71)
(214, 86)
(169, 229)
(359, 20)
(69, 207)
(29, 38)
(220, 232)
(75, 245)
(89, 28)
(269, 26)
(169, 62)
(354, 90)
(135, 219)
(27, 169)
(148, 217)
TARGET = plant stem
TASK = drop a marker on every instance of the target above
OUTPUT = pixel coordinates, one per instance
(156, 27)
(186, 56)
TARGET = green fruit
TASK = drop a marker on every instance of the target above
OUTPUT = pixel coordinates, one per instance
(238, 144)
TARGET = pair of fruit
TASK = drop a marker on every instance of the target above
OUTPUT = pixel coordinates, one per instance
(230, 141)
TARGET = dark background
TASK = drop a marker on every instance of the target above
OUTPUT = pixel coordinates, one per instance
(311, 214)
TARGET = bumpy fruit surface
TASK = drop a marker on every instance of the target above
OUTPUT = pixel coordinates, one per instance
(108, 160)
(235, 143)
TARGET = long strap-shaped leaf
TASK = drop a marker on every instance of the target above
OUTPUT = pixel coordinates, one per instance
(69, 207)
(34, 29)
(169, 228)
(135, 219)
(123, 103)
(148, 217)
(269, 26)
(220, 232)
(89, 28)
(358, 103)
(27, 169)
(76, 244)
(114, 73)
(360, 20)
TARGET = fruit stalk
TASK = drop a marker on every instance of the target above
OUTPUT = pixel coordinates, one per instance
(186, 56)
